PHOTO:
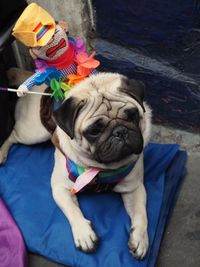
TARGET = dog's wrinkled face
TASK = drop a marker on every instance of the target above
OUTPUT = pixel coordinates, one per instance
(102, 116)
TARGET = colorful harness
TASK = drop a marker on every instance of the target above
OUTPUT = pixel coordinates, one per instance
(94, 179)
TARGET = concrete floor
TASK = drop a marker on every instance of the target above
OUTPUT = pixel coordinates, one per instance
(181, 242)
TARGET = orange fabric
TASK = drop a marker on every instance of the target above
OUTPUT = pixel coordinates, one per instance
(75, 78)
(86, 64)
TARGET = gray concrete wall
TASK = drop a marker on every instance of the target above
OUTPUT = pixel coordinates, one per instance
(76, 13)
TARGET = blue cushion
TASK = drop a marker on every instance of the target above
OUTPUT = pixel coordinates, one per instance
(25, 188)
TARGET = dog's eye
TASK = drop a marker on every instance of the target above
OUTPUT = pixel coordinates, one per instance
(132, 114)
(94, 130)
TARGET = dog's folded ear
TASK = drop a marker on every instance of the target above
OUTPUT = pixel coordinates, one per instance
(135, 89)
(65, 116)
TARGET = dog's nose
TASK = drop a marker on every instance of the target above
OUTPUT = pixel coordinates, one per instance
(120, 131)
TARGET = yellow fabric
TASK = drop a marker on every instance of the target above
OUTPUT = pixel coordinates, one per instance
(29, 19)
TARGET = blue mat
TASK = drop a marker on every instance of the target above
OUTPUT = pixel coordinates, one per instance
(25, 188)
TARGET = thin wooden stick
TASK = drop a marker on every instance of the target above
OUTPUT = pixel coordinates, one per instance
(28, 92)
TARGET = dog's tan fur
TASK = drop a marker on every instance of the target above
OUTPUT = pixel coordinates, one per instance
(29, 130)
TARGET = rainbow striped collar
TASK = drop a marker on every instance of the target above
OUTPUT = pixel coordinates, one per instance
(94, 178)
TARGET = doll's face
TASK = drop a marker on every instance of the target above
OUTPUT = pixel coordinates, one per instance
(57, 45)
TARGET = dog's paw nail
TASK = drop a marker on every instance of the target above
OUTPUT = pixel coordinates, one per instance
(138, 244)
(88, 246)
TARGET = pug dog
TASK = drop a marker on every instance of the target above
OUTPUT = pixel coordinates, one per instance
(104, 125)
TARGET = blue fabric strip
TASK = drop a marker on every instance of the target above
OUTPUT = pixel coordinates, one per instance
(172, 187)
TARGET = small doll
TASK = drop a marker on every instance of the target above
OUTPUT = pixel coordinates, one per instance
(57, 57)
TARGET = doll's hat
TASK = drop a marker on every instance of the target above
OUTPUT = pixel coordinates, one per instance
(35, 27)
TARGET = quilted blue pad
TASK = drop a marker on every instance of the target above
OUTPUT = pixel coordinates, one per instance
(25, 188)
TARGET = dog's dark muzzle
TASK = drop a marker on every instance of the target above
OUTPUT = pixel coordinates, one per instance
(121, 144)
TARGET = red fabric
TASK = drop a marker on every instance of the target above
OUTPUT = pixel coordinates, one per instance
(64, 60)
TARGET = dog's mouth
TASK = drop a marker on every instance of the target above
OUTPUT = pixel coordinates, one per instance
(51, 52)
(116, 149)
(113, 153)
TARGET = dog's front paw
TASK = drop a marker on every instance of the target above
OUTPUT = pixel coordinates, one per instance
(138, 243)
(84, 237)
